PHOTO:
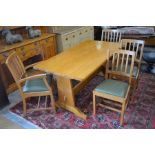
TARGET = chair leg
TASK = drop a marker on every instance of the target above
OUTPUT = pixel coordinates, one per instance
(122, 114)
(94, 105)
(137, 83)
(24, 106)
(53, 103)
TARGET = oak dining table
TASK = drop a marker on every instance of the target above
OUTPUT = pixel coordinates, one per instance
(81, 62)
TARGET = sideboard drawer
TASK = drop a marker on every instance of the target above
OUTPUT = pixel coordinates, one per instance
(66, 41)
(73, 39)
(81, 36)
(48, 41)
(86, 34)
(28, 51)
(65, 38)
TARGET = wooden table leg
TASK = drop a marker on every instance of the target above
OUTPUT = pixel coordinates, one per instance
(66, 96)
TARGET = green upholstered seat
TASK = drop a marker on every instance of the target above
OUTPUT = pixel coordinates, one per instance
(37, 85)
(113, 87)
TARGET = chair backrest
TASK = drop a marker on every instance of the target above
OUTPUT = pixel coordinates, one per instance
(134, 45)
(109, 35)
(16, 67)
(120, 63)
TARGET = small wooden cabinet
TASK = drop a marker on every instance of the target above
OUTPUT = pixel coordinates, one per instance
(67, 37)
(45, 46)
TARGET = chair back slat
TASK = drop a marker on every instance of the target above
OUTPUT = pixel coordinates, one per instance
(130, 47)
(15, 66)
(126, 65)
(111, 35)
(113, 61)
(117, 59)
(137, 48)
(122, 63)
(133, 45)
(108, 36)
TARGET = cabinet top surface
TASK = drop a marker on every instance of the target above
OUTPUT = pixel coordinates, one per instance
(4, 48)
(78, 62)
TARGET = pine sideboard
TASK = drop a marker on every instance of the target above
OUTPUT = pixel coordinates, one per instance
(69, 36)
(28, 50)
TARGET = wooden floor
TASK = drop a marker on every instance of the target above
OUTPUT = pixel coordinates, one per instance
(7, 124)
(4, 122)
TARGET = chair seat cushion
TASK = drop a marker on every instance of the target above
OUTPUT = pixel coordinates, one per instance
(113, 87)
(36, 85)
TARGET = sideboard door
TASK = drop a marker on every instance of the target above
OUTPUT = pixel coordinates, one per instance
(49, 47)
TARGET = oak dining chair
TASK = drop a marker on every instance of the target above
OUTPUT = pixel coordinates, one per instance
(116, 90)
(30, 86)
(109, 35)
(137, 46)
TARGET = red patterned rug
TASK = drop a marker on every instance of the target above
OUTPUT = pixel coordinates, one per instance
(140, 113)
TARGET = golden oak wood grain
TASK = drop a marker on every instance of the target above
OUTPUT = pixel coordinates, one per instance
(120, 57)
(137, 46)
(81, 63)
(20, 76)
(78, 62)
(4, 48)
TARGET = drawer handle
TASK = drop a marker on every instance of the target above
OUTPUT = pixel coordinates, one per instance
(66, 38)
(73, 36)
(80, 33)
(86, 31)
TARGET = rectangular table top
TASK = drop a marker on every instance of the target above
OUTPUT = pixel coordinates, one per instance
(78, 62)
